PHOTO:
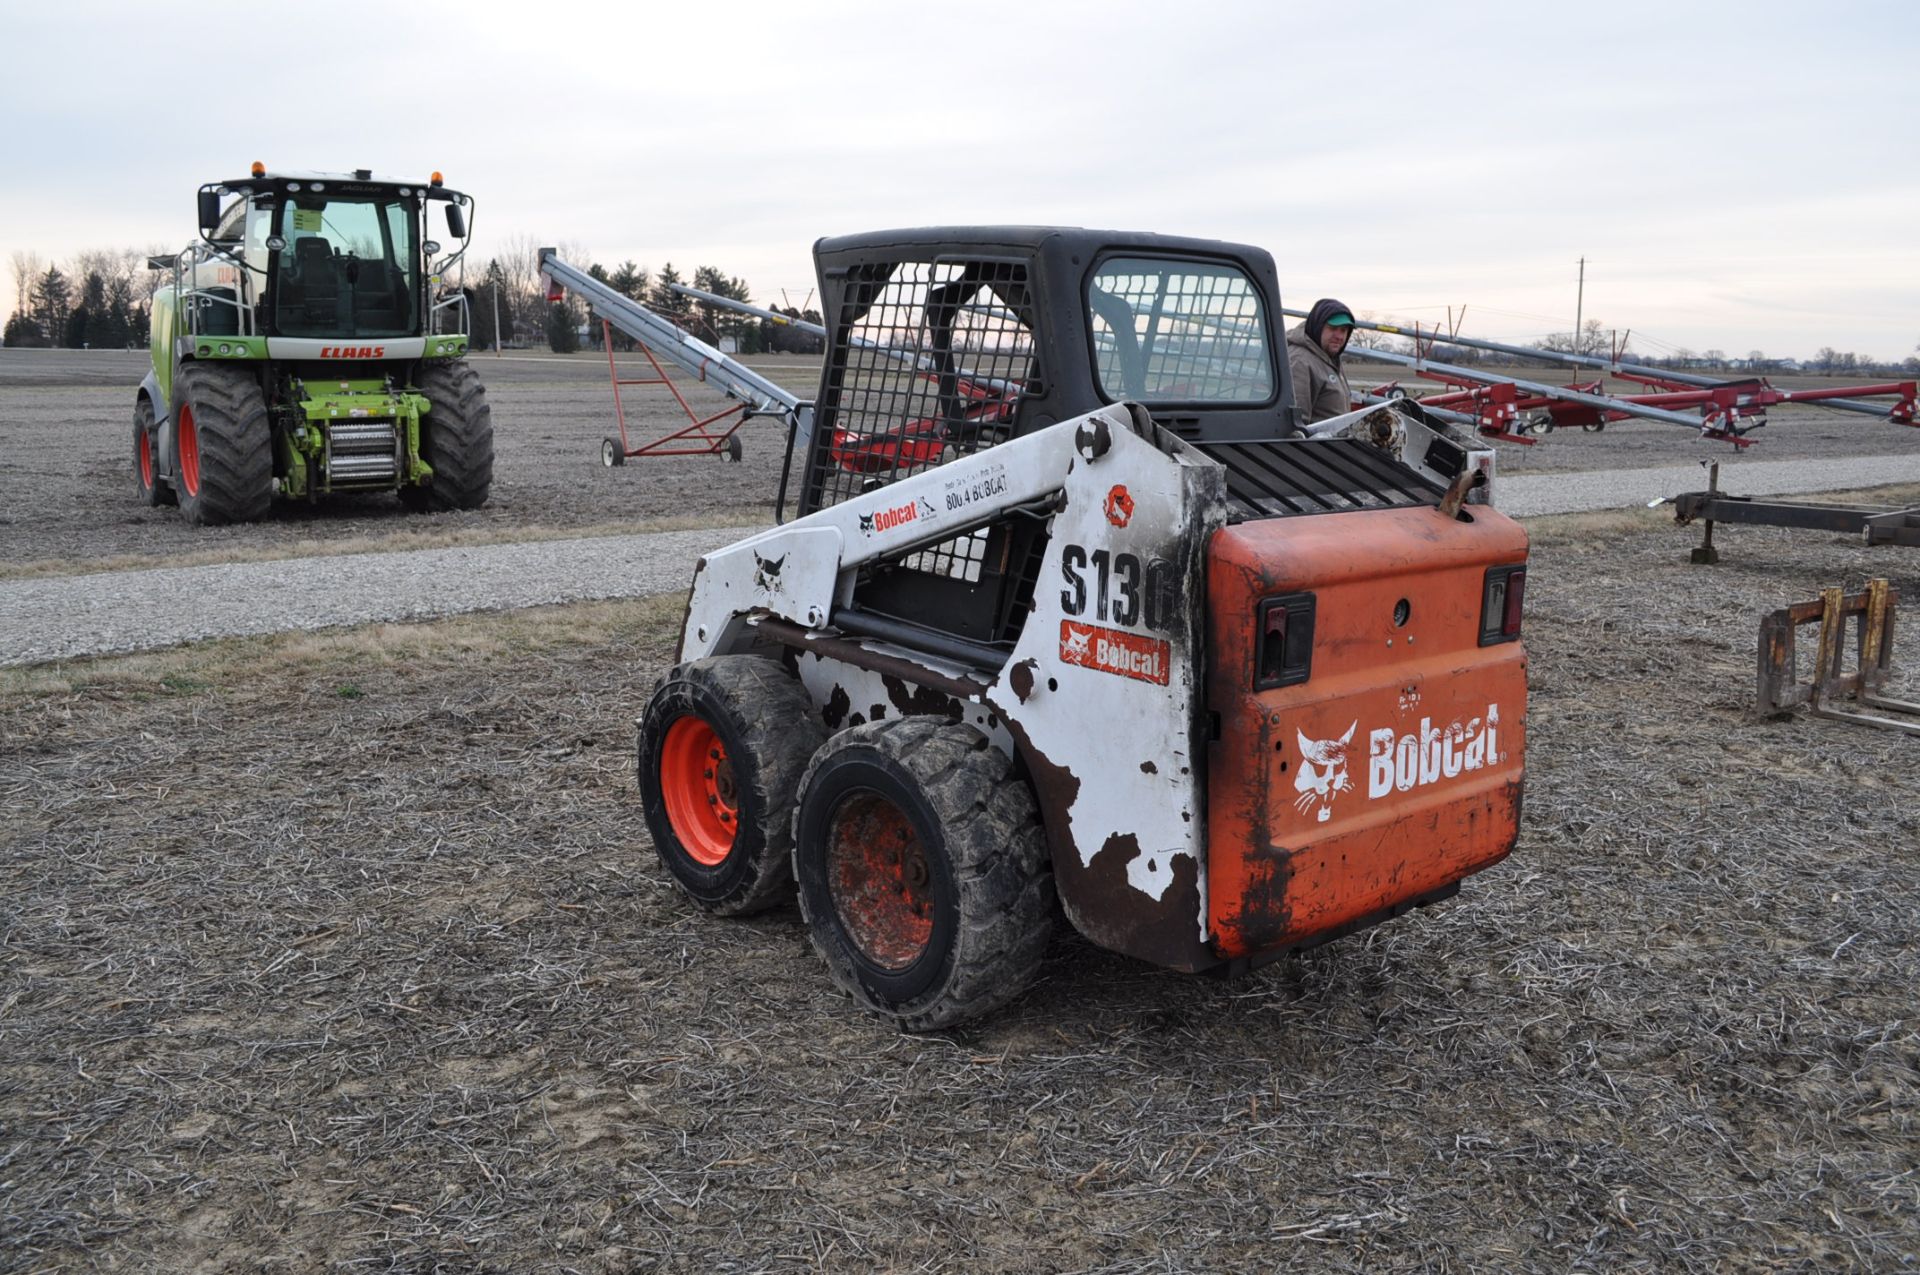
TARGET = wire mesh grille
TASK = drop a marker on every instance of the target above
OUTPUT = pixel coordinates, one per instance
(1179, 331)
(929, 363)
(1279, 478)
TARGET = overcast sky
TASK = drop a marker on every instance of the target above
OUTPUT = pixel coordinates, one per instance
(1738, 176)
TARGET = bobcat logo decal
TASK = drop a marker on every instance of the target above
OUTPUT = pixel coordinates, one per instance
(1076, 644)
(1322, 773)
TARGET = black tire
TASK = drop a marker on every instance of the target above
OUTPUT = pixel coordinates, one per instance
(735, 448)
(456, 439)
(961, 932)
(222, 445)
(612, 454)
(726, 835)
(149, 477)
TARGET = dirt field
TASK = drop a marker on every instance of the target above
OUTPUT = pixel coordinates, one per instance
(66, 476)
(66, 487)
(349, 952)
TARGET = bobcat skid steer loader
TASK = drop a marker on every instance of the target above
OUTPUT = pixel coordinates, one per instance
(1075, 618)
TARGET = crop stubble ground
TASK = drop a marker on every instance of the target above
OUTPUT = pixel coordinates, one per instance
(348, 952)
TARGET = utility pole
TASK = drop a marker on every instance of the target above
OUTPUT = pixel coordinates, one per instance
(1579, 306)
(496, 318)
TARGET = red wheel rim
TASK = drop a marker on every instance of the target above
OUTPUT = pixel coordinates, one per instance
(696, 782)
(145, 446)
(187, 443)
(877, 870)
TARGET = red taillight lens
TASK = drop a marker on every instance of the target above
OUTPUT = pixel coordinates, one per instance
(1283, 637)
(1501, 604)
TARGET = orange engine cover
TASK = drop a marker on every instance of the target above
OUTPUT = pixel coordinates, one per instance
(1391, 772)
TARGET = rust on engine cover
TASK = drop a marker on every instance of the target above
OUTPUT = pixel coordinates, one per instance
(1394, 768)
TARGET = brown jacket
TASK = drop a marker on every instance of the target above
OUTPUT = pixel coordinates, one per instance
(1320, 388)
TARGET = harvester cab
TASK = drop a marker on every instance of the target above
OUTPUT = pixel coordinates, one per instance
(310, 343)
(1074, 608)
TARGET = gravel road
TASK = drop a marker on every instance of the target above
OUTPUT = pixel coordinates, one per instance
(115, 612)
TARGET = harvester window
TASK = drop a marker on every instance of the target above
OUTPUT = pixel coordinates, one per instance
(350, 268)
(1179, 332)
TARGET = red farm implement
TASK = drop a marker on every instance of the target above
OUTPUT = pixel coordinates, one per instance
(752, 394)
(715, 435)
(1509, 409)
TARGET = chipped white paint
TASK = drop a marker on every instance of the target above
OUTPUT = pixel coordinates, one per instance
(800, 571)
(1122, 724)
(1109, 666)
(868, 697)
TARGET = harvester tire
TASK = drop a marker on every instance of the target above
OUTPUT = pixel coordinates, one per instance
(456, 440)
(149, 482)
(923, 870)
(722, 745)
(222, 445)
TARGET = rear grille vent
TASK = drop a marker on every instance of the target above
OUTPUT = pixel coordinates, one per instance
(1278, 478)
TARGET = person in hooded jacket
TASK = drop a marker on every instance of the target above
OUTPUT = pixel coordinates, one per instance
(1320, 388)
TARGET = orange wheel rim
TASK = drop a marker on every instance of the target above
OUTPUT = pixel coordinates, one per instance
(877, 870)
(146, 460)
(188, 445)
(696, 781)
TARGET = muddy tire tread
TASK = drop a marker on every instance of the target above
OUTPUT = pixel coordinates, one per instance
(456, 439)
(778, 727)
(998, 855)
(235, 446)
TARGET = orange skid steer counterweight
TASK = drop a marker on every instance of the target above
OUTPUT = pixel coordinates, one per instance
(1371, 694)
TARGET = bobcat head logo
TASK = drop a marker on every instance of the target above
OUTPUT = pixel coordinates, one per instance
(866, 523)
(1322, 773)
(1077, 641)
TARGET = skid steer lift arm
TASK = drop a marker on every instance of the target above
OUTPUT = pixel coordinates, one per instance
(803, 571)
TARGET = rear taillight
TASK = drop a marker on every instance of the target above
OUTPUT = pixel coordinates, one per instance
(1283, 640)
(1500, 605)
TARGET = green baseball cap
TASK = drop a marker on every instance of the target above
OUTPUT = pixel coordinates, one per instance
(1340, 321)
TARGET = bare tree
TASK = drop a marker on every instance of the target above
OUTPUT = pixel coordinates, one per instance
(27, 269)
(1592, 339)
(1367, 338)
